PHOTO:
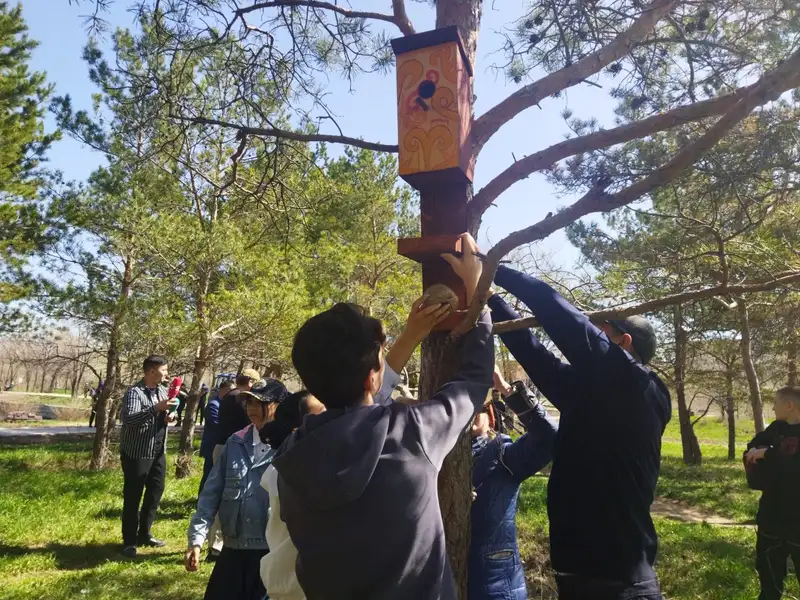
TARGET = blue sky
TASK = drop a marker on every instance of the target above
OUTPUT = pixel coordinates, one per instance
(368, 112)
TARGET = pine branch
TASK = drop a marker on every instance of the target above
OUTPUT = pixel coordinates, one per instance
(762, 285)
(289, 135)
(530, 95)
(768, 88)
(398, 17)
(525, 167)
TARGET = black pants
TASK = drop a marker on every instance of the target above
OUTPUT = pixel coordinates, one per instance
(575, 587)
(772, 555)
(92, 417)
(141, 475)
(237, 575)
(208, 464)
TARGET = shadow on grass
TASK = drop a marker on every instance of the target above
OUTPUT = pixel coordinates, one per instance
(71, 557)
(171, 510)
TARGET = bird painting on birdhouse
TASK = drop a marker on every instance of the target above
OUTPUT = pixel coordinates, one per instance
(434, 91)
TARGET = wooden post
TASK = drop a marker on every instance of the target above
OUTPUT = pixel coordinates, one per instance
(434, 119)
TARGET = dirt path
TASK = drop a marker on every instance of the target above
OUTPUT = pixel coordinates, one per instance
(680, 511)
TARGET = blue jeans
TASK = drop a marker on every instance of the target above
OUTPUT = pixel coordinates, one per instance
(576, 587)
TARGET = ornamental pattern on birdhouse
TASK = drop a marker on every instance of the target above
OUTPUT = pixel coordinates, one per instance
(434, 110)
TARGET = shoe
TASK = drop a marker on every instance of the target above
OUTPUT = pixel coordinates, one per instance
(129, 552)
(151, 542)
(212, 557)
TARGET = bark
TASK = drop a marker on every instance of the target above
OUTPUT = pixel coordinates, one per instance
(691, 447)
(185, 451)
(749, 366)
(466, 15)
(103, 422)
(440, 359)
(791, 360)
(730, 408)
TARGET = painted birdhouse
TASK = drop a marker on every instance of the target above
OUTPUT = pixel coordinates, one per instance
(434, 108)
(434, 119)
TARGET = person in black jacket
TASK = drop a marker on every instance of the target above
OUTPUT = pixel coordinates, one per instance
(772, 462)
(608, 449)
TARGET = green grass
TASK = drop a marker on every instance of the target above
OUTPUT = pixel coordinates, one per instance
(59, 531)
(711, 430)
(34, 398)
(44, 423)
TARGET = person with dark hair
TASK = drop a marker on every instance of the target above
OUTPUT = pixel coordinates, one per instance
(499, 466)
(209, 440)
(357, 483)
(772, 461)
(278, 567)
(142, 445)
(232, 414)
(201, 404)
(233, 491)
(608, 449)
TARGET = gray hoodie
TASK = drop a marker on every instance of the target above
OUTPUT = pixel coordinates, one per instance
(358, 489)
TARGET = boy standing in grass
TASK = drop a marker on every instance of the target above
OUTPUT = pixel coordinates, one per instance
(772, 462)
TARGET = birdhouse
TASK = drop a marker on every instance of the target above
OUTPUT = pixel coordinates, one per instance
(434, 120)
(434, 108)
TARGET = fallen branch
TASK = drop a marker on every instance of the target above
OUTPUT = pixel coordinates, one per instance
(525, 167)
(491, 121)
(764, 285)
(289, 135)
(769, 87)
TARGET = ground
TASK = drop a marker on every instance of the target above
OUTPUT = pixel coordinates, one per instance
(59, 529)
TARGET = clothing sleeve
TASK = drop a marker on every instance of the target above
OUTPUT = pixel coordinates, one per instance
(211, 414)
(587, 348)
(528, 454)
(390, 381)
(208, 502)
(133, 410)
(554, 378)
(441, 419)
(762, 439)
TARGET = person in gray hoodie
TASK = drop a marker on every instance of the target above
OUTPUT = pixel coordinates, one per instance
(358, 482)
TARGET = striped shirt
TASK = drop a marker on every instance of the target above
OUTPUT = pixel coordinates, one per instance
(141, 422)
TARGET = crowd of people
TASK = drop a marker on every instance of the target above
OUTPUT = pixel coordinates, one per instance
(331, 492)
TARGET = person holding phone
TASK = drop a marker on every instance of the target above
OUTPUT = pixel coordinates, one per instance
(142, 445)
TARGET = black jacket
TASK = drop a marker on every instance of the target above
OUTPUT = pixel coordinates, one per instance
(608, 448)
(778, 476)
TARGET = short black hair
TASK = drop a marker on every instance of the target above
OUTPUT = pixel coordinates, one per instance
(153, 362)
(225, 383)
(288, 417)
(334, 351)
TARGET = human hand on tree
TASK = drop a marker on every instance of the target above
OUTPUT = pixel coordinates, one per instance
(421, 320)
(500, 383)
(468, 266)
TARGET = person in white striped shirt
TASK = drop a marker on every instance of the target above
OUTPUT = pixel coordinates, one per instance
(142, 445)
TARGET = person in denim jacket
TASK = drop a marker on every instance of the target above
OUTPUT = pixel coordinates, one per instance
(500, 465)
(233, 490)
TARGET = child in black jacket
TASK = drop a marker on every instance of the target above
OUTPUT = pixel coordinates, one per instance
(772, 462)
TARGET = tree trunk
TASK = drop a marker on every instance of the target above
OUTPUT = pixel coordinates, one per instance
(440, 359)
(691, 447)
(730, 408)
(51, 388)
(183, 467)
(749, 366)
(185, 451)
(791, 360)
(103, 421)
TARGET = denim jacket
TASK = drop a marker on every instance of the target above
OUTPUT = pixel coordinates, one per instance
(499, 468)
(233, 490)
